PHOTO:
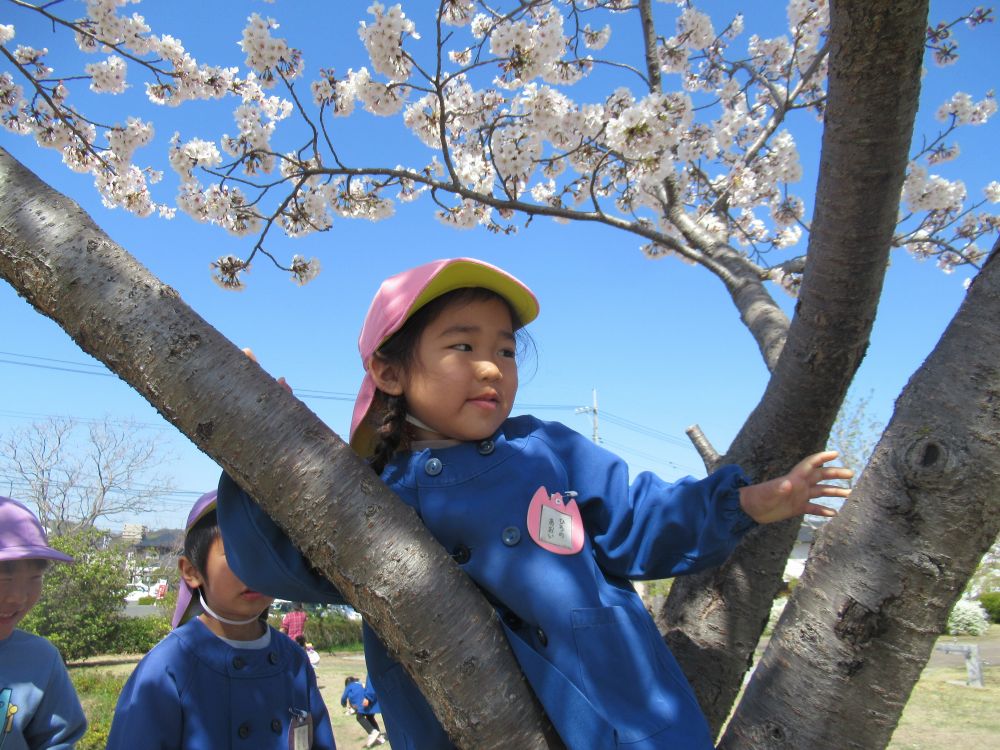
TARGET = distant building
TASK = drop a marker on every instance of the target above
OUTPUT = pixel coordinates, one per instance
(132, 533)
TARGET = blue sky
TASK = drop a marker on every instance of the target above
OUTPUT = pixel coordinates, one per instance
(659, 340)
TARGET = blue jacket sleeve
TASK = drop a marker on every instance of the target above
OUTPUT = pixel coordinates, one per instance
(260, 553)
(652, 528)
(148, 715)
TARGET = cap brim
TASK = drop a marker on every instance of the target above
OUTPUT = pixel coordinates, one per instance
(33, 553)
(462, 273)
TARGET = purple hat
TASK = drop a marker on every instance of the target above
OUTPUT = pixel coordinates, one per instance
(186, 600)
(400, 296)
(22, 536)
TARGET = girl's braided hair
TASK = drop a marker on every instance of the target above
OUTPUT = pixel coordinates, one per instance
(389, 412)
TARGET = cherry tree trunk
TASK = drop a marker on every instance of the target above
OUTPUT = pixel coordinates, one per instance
(714, 620)
(885, 573)
(350, 526)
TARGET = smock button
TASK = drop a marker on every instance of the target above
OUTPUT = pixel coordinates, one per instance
(461, 554)
(243, 731)
(433, 467)
(272, 657)
(486, 447)
(238, 662)
(275, 726)
(542, 638)
(511, 536)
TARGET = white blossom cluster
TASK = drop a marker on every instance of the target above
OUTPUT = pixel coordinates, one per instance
(966, 111)
(267, 55)
(108, 76)
(384, 41)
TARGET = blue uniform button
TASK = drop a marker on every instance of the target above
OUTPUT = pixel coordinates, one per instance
(243, 731)
(238, 663)
(461, 554)
(276, 726)
(511, 536)
(542, 638)
(272, 658)
(486, 447)
(433, 467)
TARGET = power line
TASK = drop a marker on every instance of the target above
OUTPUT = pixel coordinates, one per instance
(325, 395)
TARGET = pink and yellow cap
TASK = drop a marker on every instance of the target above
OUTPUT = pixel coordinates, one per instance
(400, 296)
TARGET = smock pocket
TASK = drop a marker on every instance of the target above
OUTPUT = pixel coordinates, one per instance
(624, 675)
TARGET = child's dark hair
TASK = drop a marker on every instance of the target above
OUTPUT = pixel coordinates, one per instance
(301, 640)
(392, 431)
(199, 539)
(350, 679)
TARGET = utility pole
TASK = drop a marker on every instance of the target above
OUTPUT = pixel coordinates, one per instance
(592, 410)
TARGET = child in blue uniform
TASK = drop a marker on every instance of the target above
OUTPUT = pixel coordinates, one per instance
(39, 709)
(364, 705)
(223, 678)
(543, 520)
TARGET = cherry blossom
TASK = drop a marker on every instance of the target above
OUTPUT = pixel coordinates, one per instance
(704, 129)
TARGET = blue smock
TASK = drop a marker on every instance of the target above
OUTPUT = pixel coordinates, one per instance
(548, 526)
(194, 690)
(39, 709)
(356, 693)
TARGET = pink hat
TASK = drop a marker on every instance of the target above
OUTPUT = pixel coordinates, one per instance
(22, 536)
(400, 296)
(185, 594)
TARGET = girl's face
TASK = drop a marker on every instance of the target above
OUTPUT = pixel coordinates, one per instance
(226, 594)
(464, 378)
(20, 588)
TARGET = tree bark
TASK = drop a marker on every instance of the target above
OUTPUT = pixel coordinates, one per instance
(369, 544)
(714, 620)
(884, 575)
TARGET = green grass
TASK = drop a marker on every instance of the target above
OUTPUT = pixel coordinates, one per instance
(944, 714)
(98, 690)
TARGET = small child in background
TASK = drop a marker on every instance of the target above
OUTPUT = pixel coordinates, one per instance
(310, 651)
(222, 678)
(363, 703)
(39, 709)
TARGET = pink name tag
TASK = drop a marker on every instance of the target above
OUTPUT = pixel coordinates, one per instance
(554, 525)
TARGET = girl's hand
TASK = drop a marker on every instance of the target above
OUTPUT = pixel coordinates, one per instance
(792, 494)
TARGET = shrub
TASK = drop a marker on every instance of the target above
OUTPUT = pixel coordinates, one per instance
(991, 603)
(136, 635)
(81, 604)
(967, 618)
(333, 633)
(326, 629)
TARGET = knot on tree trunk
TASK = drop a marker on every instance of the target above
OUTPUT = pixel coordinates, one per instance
(856, 624)
(928, 459)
